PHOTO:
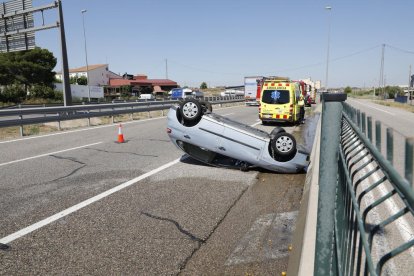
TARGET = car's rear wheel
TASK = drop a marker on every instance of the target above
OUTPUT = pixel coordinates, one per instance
(284, 146)
(190, 110)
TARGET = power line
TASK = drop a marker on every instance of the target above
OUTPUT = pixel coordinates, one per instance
(334, 59)
(283, 70)
(399, 49)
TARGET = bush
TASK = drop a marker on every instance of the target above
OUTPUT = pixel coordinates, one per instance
(13, 93)
(58, 96)
(42, 91)
(348, 90)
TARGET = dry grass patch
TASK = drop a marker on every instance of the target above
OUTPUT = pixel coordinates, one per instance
(406, 107)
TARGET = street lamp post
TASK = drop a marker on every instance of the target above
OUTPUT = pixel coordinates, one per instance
(328, 8)
(86, 55)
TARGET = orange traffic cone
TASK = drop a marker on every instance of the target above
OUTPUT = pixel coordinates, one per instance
(120, 135)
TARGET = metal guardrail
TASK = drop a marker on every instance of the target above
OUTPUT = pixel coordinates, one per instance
(351, 169)
(62, 113)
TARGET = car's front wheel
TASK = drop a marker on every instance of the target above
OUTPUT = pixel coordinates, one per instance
(284, 146)
(190, 110)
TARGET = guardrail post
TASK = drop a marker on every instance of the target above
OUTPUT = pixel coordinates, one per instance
(378, 135)
(113, 117)
(21, 127)
(390, 145)
(409, 155)
(369, 128)
(363, 121)
(358, 118)
(328, 179)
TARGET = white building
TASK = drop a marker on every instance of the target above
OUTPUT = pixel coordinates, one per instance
(98, 74)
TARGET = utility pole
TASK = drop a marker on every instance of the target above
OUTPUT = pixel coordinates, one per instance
(166, 69)
(67, 95)
(410, 88)
(86, 56)
(381, 78)
(328, 8)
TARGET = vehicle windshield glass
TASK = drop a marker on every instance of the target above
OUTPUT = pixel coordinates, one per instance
(275, 96)
(188, 93)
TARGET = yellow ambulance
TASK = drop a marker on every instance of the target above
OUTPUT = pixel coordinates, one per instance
(281, 101)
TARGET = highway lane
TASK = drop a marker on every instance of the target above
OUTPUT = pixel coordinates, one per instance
(153, 226)
(399, 120)
(393, 117)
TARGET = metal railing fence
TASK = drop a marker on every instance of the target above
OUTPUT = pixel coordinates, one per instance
(356, 183)
(28, 116)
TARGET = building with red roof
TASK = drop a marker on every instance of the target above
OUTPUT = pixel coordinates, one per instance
(138, 84)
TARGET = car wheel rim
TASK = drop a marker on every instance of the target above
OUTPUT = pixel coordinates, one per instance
(190, 110)
(284, 144)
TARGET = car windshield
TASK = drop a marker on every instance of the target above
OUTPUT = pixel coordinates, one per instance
(275, 96)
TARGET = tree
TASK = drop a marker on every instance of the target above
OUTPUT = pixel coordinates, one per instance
(203, 85)
(82, 80)
(31, 67)
(21, 71)
(73, 80)
(392, 91)
(348, 90)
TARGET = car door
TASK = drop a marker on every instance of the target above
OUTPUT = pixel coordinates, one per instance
(240, 142)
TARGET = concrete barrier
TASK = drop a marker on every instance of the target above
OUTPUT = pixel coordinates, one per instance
(302, 256)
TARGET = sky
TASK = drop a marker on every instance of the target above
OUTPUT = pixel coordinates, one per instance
(222, 41)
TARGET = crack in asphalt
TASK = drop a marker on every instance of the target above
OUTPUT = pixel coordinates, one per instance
(71, 173)
(184, 263)
(119, 152)
(182, 230)
(4, 247)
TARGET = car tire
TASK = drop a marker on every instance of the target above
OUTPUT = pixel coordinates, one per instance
(190, 110)
(284, 146)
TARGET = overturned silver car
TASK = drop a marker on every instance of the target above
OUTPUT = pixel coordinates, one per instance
(219, 141)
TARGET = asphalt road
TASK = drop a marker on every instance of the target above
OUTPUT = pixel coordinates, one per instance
(79, 203)
(399, 120)
(393, 117)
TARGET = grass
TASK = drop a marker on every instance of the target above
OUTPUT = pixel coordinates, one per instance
(406, 107)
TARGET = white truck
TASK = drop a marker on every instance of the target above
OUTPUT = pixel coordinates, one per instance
(252, 88)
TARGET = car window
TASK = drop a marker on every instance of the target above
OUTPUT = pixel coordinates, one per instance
(201, 154)
(275, 96)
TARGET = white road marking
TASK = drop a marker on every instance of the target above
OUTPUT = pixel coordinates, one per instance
(227, 114)
(255, 124)
(81, 205)
(392, 114)
(47, 154)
